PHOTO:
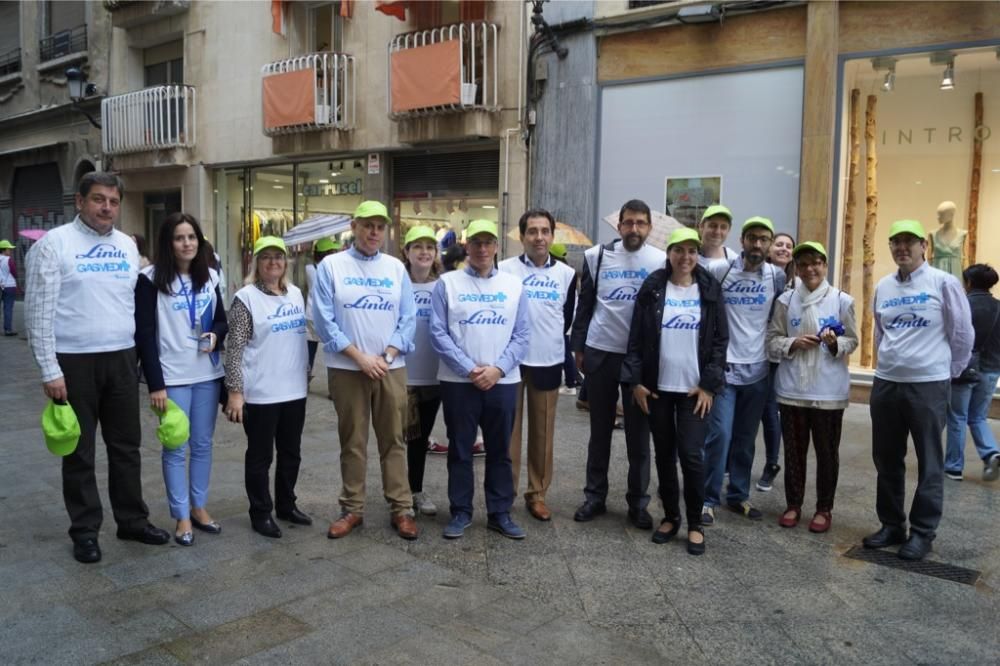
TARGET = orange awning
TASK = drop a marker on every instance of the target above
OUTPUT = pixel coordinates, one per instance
(426, 76)
(289, 98)
(395, 8)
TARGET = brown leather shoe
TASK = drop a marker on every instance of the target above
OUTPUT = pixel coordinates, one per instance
(405, 526)
(344, 525)
(538, 509)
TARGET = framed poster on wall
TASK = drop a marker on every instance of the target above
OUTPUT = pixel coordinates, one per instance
(688, 197)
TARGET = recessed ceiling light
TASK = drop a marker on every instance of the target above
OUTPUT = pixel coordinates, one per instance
(278, 187)
(324, 180)
(488, 206)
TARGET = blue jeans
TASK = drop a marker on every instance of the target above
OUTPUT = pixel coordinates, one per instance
(733, 422)
(969, 405)
(771, 420)
(200, 402)
(9, 294)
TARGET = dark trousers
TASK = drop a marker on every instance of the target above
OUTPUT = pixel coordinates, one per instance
(679, 434)
(312, 346)
(771, 422)
(276, 426)
(797, 423)
(899, 410)
(603, 371)
(465, 409)
(428, 400)
(8, 294)
(569, 366)
(103, 388)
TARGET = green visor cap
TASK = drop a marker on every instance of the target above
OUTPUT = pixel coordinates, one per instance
(419, 232)
(481, 227)
(265, 242)
(60, 427)
(175, 429)
(717, 209)
(326, 245)
(758, 222)
(6, 245)
(372, 209)
(810, 246)
(907, 227)
(558, 250)
(683, 234)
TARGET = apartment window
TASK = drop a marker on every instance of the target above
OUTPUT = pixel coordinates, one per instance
(10, 38)
(163, 64)
(326, 28)
(636, 4)
(63, 28)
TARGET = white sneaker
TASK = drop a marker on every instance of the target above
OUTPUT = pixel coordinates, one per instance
(567, 390)
(424, 505)
(991, 468)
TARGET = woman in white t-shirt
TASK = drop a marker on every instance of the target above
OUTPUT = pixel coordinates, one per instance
(180, 324)
(675, 364)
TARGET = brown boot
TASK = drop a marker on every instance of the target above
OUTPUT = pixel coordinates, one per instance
(344, 525)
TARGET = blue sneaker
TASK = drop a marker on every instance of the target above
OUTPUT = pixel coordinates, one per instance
(503, 524)
(456, 528)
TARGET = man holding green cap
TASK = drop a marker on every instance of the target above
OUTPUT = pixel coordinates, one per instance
(479, 327)
(8, 286)
(363, 311)
(750, 286)
(84, 274)
(713, 229)
(924, 338)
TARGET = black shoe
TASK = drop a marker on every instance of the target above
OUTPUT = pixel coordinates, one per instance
(10, 333)
(766, 481)
(640, 518)
(266, 527)
(149, 535)
(212, 527)
(696, 548)
(660, 536)
(915, 548)
(887, 536)
(86, 551)
(589, 510)
(295, 516)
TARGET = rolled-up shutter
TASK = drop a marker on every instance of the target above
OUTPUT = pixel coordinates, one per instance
(37, 205)
(475, 171)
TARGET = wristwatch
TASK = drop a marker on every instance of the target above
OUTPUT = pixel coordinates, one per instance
(389, 358)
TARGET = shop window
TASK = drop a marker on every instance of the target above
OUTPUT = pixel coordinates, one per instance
(330, 187)
(937, 160)
(326, 28)
(445, 211)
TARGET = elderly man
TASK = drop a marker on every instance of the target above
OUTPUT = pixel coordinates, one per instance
(924, 337)
(612, 275)
(550, 289)
(84, 273)
(363, 312)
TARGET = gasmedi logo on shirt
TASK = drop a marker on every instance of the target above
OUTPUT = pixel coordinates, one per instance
(498, 297)
(908, 319)
(615, 274)
(823, 322)
(489, 316)
(385, 283)
(288, 317)
(101, 259)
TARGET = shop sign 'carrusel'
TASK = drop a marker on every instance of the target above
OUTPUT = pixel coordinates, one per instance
(333, 189)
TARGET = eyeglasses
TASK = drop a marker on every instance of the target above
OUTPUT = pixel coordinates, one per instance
(634, 224)
(488, 242)
(758, 240)
(903, 240)
(270, 257)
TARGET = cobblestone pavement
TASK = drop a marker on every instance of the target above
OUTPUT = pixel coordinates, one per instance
(595, 593)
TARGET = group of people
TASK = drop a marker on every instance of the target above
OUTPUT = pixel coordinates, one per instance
(676, 335)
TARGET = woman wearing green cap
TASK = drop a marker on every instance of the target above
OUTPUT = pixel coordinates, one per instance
(8, 286)
(267, 365)
(180, 323)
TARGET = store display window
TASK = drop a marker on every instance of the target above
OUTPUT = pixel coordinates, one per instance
(447, 214)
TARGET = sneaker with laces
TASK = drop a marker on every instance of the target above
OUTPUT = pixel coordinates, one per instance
(991, 467)
(423, 505)
(766, 481)
(955, 476)
(479, 449)
(707, 515)
(456, 526)
(747, 509)
(567, 390)
(434, 446)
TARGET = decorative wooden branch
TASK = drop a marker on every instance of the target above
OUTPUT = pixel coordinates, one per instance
(977, 164)
(847, 259)
(868, 242)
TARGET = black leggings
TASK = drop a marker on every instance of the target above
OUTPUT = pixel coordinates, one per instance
(428, 401)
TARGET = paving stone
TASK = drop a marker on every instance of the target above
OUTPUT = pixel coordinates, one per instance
(233, 640)
(429, 647)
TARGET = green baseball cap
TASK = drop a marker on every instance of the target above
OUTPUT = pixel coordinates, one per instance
(326, 245)
(907, 227)
(558, 250)
(481, 227)
(717, 209)
(269, 241)
(418, 232)
(810, 246)
(757, 221)
(372, 209)
(683, 234)
(60, 427)
(6, 245)
(175, 428)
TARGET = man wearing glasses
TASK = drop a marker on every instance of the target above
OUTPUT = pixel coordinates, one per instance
(924, 337)
(612, 275)
(750, 286)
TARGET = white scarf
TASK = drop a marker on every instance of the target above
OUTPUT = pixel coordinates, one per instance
(808, 360)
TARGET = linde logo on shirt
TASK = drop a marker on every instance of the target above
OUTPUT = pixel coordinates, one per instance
(292, 314)
(615, 274)
(368, 282)
(622, 294)
(746, 287)
(371, 302)
(544, 289)
(498, 297)
(484, 318)
(919, 299)
(684, 322)
(422, 298)
(906, 320)
(103, 251)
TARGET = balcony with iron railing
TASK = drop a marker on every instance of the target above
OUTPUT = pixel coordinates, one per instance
(153, 119)
(63, 43)
(10, 62)
(307, 93)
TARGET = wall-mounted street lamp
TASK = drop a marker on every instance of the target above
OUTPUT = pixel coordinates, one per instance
(80, 89)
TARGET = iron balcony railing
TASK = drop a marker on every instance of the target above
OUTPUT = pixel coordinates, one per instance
(149, 119)
(478, 68)
(10, 62)
(63, 43)
(334, 91)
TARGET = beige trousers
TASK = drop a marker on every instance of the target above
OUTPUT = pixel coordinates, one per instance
(541, 432)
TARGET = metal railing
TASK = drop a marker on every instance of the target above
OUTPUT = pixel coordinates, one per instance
(479, 74)
(149, 119)
(334, 90)
(10, 62)
(62, 43)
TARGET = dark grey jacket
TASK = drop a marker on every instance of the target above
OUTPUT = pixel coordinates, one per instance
(987, 326)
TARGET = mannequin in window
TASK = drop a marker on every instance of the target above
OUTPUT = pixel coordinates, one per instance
(947, 247)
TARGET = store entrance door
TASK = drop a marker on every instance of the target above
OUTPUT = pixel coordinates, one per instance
(157, 206)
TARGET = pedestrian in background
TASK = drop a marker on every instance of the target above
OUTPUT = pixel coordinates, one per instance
(8, 286)
(320, 249)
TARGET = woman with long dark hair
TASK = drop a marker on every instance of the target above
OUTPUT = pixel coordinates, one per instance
(180, 326)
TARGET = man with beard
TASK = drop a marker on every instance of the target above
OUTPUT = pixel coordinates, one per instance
(749, 288)
(612, 275)
(924, 337)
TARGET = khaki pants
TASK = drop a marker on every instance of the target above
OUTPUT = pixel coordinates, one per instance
(361, 402)
(541, 432)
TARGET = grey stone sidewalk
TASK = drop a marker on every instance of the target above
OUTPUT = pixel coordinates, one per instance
(596, 593)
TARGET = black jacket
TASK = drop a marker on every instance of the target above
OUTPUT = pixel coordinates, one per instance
(987, 326)
(642, 359)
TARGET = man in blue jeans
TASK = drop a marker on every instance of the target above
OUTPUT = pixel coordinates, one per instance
(749, 287)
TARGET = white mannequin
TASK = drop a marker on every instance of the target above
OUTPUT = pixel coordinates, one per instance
(947, 244)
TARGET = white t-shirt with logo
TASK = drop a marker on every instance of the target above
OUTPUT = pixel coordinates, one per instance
(679, 329)
(834, 381)
(6, 278)
(546, 289)
(748, 296)
(422, 362)
(276, 358)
